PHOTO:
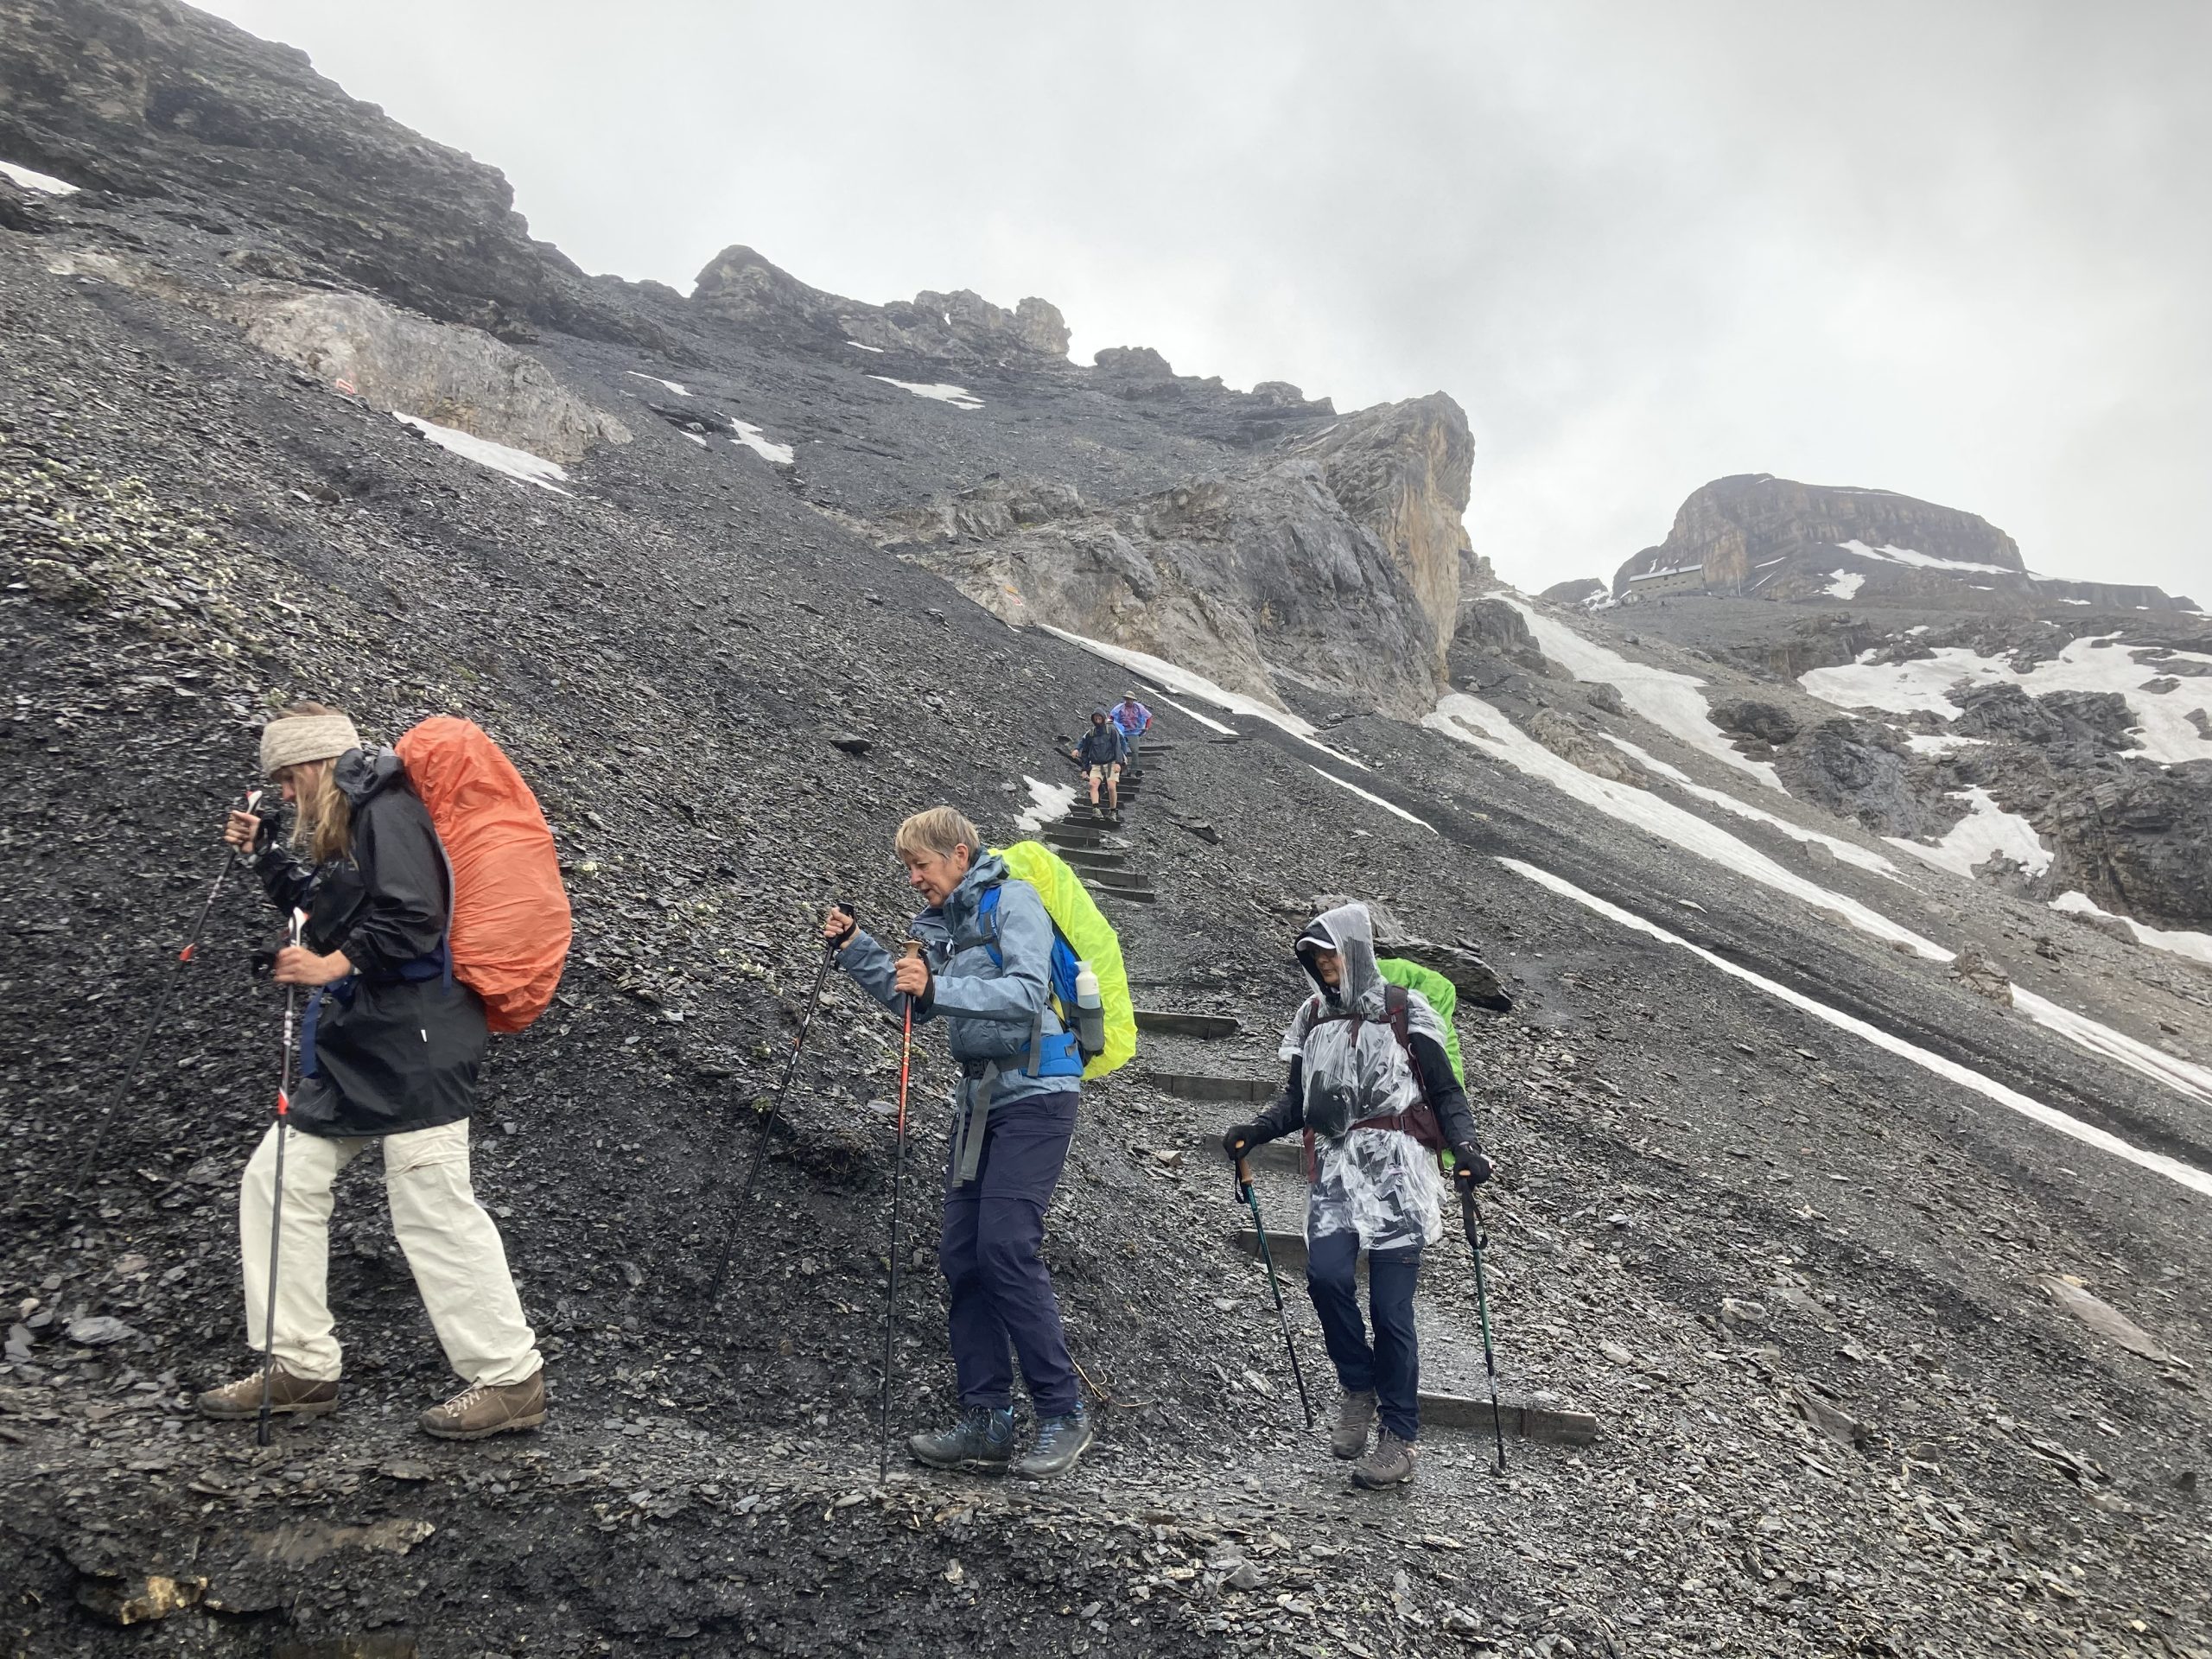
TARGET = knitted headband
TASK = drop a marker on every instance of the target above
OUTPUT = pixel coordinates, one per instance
(294, 739)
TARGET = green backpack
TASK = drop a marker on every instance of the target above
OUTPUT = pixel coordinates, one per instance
(1440, 993)
(1087, 936)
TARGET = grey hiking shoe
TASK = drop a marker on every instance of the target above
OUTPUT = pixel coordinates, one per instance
(1355, 1418)
(1060, 1441)
(288, 1396)
(1390, 1464)
(488, 1408)
(980, 1443)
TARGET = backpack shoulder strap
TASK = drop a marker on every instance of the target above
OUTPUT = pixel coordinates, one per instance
(1395, 1002)
(986, 914)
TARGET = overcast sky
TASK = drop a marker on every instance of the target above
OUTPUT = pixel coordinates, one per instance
(1960, 249)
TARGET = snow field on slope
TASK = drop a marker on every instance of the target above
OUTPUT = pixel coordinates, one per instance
(1850, 851)
(2182, 942)
(2172, 1168)
(1387, 806)
(1920, 561)
(1673, 703)
(777, 454)
(676, 387)
(2087, 664)
(31, 179)
(958, 397)
(1048, 802)
(1986, 829)
(1845, 583)
(1472, 722)
(518, 464)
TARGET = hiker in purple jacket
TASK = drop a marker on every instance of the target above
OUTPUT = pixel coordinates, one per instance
(1131, 718)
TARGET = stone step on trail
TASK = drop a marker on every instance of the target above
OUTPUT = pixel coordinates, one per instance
(1133, 895)
(1082, 858)
(1192, 1085)
(1210, 1027)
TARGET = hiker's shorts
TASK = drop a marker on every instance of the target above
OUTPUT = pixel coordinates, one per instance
(1102, 775)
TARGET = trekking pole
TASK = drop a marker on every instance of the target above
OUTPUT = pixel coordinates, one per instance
(912, 948)
(760, 1139)
(277, 1197)
(1244, 1190)
(169, 991)
(1477, 1237)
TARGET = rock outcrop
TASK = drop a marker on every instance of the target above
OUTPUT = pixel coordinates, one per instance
(739, 286)
(1334, 562)
(1758, 536)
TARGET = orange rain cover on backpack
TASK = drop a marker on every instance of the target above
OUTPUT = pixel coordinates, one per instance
(509, 912)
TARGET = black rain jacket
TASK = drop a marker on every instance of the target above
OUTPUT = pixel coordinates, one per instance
(398, 1045)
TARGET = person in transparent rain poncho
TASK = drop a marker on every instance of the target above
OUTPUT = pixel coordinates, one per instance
(1373, 1107)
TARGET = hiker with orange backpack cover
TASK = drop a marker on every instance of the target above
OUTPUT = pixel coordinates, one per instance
(389, 1052)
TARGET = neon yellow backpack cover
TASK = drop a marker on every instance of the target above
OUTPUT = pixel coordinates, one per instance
(1091, 936)
(1440, 995)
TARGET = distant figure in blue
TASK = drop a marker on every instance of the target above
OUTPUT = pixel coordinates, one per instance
(1131, 718)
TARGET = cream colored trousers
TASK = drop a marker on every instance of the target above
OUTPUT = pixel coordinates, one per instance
(452, 1245)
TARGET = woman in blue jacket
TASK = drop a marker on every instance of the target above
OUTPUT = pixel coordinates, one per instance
(986, 970)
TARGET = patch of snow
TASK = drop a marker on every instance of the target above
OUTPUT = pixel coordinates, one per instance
(1922, 561)
(2087, 664)
(958, 397)
(857, 346)
(1206, 721)
(1929, 743)
(1675, 571)
(697, 438)
(2177, 1074)
(2172, 1168)
(518, 464)
(2197, 946)
(1670, 701)
(1048, 802)
(1847, 583)
(777, 454)
(30, 179)
(679, 390)
(1850, 851)
(1388, 806)
(1986, 829)
(1473, 722)
(2073, 601)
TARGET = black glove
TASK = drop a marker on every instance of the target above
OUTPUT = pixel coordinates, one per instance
(1241, 1138)
(1469, 1168)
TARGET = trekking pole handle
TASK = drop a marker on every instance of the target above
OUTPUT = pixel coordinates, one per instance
(845, 908)
(1243, 1178)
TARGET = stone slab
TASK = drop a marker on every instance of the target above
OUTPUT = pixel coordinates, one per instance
(1210, 1027)
(1195, 1086)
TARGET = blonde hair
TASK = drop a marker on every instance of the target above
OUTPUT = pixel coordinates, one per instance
(322, 818)
(935, 833)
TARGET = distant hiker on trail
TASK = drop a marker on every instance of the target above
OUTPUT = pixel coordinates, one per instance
(1372, 1088)
(985, 966)
(1100, 754)
(1131, 718)
(389, 1053)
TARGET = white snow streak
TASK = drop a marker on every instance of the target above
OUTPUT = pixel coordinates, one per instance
(958, 397)
(2197, 946)
(1847, 583)
(518, 464)
(857, 346)
(1474, 722)
(1928, 743)
(1670, 701)
(30, 179)
(2172, 1168)
(2177, 1074)
(1388, 806)
(679, 390)
(1922, 561)
(1850, 851)
(1048, 802)
(1206, 721)
(1986, 830)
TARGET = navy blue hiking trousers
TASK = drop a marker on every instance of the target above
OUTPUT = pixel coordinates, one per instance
(1391, 1366)
(991, 1252)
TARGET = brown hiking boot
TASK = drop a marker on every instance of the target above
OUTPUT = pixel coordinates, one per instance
(488, 1408)
(288, 1396)
(1390, 1464)
(1355, 1417)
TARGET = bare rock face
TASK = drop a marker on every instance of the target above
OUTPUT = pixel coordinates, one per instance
(738, 285)
(1580, 591)
(166, 102)
(1334, 562)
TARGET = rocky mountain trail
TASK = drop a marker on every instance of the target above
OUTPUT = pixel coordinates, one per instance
(1764, 1210)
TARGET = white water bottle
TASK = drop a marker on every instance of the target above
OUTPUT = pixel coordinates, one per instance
(1089, 1012)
